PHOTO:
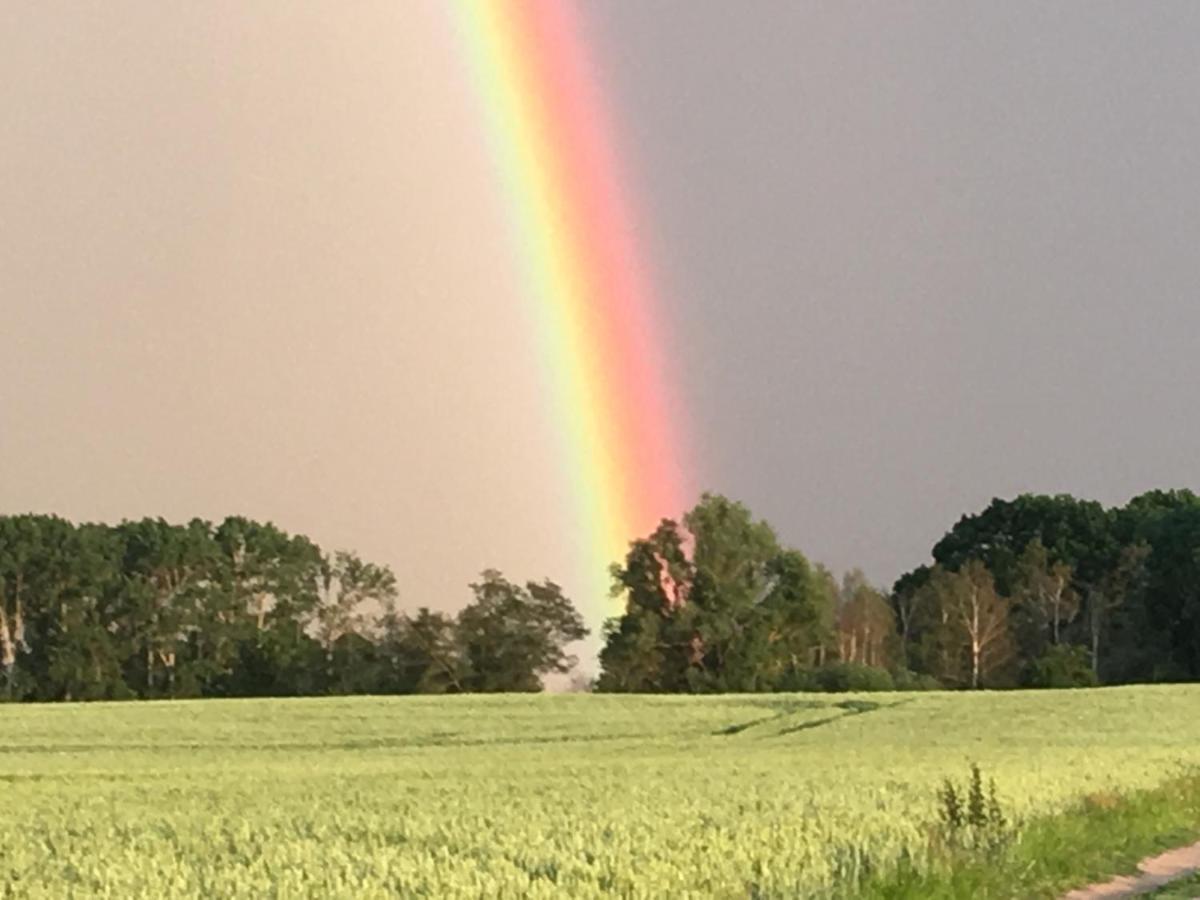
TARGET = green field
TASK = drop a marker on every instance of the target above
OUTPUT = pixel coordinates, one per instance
(542, 796)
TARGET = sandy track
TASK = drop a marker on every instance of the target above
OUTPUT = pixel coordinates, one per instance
(1155, 871)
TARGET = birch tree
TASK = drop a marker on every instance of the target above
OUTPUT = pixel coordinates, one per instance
(865, 622)
(971, 622)
(348, 588)
(1045, 587)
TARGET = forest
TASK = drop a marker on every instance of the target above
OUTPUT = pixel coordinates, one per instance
(1038, 591)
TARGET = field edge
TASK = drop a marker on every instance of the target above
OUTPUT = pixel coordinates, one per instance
(1100, 837)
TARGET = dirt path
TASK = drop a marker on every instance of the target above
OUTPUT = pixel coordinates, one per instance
(1155, 871)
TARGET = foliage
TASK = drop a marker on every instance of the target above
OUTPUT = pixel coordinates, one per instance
(154, 610)
(964, 627)
(423, 651)
(1046, 600)
(511, 636)
(852, 676)
(908, 680)
(1034, 591)
(1117, 586)
(714, 604)
(970, 817)
(1062, 667)
(567, 796)
(842, 677)
(1099, 836)
(1079, 533)
(865, 622)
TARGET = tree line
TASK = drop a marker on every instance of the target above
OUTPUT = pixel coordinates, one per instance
(148, 609)
(1038, 591)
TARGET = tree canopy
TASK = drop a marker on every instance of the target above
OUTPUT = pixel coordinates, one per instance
(1111, 592)
(1047, 591)
(714, 603)
(151, 609)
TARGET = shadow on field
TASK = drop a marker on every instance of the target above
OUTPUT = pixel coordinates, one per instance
(842, 710)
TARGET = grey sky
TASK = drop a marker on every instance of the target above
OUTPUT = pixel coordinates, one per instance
(924, 253)
(917, 255)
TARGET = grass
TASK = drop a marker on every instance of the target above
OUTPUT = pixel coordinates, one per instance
(1101, 836)
(1184, 889)
(584, 796)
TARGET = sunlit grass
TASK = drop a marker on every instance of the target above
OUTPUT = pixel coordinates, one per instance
(544, 796)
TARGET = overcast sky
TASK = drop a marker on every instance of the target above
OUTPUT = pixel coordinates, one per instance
(924, 253)
(916, 255)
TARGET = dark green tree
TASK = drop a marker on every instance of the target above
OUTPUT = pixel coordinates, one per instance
(422, 652)
(510, 636)
(81, 657)
(1078, 533)
(350, 592)
(268, 574)
(166, 601)
(651, 646)
(270, 581)
(713, 604)
(56, 584)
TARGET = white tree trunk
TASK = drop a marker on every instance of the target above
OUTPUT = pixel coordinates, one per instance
(8, 645)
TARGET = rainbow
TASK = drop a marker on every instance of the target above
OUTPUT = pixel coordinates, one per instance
(597, 313)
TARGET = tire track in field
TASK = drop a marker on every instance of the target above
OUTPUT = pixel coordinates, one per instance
(844, 710)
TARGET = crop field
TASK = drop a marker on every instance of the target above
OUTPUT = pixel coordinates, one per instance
(540, 796)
